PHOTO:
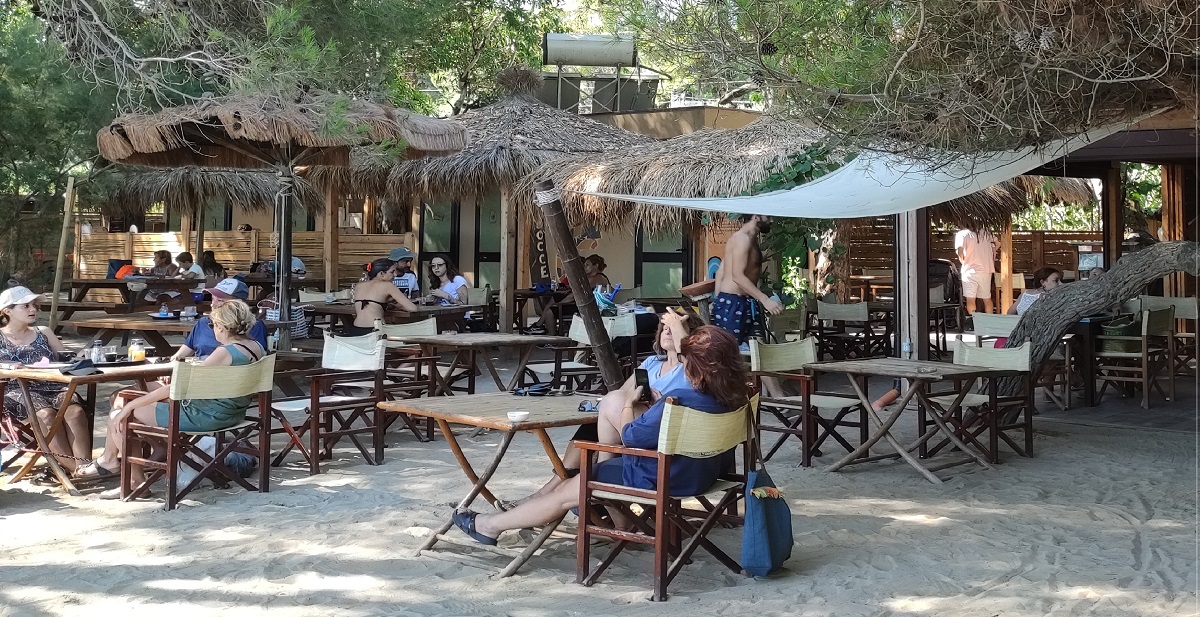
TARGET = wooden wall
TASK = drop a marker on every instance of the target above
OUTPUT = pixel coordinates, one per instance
(872, 247)
(236, 250)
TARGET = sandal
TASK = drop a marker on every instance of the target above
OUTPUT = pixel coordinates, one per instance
(93, 471)
(465, 520)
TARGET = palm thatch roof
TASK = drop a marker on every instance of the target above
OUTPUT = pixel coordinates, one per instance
(718, 163)
(509, 139)
(186, 189)
(264, 129)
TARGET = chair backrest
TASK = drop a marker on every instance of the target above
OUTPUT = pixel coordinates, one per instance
(782, 356)
(313, 297)
(621, 325)
(790, 321)
(828, 311)
(687, 432)
(479, 295)
(1158, 323)
(1185, 308)
(1018, 279)
(937, 294)
(353, 353)
(625, 295)
(197, 382)
(1132, 306)
(987, 324)
(1014, 359)
(878, 272)
(415, 328)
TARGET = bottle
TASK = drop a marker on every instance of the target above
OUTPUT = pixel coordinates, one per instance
(906, 349)
(163, 311)
(137, 351)
(96, 353)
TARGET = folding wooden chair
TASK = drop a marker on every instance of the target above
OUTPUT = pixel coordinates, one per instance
(984, 413)
(344, 360)
(1141, 362)
(800, 416)
(1056, 376)
(190, 382)
(790, 324)
(847, 331)
(571, 366)
(663, 521)
(1186, 311)
(18, 434)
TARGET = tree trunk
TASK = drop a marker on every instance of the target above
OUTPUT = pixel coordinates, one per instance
(831, 263)
(1048, 319)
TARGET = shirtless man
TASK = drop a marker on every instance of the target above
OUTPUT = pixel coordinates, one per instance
(737, 279)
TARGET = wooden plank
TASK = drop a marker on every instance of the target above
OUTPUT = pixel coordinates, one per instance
(508, 254)
(1005, 288)
(330, 244)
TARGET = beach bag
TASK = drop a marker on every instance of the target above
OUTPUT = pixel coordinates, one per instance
(299, 323)
(767, 535)
(1126, 326)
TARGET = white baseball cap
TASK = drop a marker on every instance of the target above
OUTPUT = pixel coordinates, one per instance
(17, 295)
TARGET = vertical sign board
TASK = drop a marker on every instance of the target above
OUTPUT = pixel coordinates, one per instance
(539, 259)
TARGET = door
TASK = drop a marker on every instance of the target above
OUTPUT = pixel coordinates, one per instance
(487, 242)
(661, 263)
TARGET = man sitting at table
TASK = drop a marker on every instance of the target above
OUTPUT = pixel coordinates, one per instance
(201, 341)
(402, 273)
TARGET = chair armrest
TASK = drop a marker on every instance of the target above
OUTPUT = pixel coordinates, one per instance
(789, 375)
(1112, 337)
(593, 446)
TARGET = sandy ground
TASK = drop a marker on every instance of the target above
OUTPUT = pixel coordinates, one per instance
(1101, 522)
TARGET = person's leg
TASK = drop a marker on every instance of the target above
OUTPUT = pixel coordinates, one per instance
(537, 511)
(987, 305)
(970, 300)
(145, 414)
(78, 432)
(888, 397)
(607, 432)
(60, 444)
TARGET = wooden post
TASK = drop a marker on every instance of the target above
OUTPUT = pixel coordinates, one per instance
(199, 234)
(585, 302)
(185, 232)
(61, 259)
(329, 237)
(508, 253)
(1112, 203)
(1037, 240)
(368, 219)
(253, 245)
(1005, 288)
(911, 282)
(1173, 223)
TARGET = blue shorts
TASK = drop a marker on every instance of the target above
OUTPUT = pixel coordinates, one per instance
(734, 314)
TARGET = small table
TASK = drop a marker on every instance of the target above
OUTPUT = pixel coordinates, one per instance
(870, 282)
(490, 411)
(468, 346)
(23, 376)
(857, 371)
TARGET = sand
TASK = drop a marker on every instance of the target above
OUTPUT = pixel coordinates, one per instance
(1101, 522)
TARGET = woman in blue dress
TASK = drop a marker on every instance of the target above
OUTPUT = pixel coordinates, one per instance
(716, 383)
(231, 324)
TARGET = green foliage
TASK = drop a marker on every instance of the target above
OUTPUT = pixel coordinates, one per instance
(1058, 217)
(791, 238)
(1143, 186)
(47, 131)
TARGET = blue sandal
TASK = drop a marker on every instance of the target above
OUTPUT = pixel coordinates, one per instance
(465, 520)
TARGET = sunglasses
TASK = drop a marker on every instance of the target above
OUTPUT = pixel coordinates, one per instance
(438, 264)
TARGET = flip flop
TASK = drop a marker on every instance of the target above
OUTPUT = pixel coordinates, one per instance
(465, 520)
(93, 471)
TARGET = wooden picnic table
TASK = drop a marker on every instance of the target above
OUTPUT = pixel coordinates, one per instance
(919, 373)
(110, 326)
(491, 411)
(872, 283)
(344, 311)
(139, 373)
(472, 345)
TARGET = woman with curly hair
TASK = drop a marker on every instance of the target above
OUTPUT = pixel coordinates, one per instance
(716, 383)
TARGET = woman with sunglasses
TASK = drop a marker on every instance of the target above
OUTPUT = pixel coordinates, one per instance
(447, 281)
(716, 383)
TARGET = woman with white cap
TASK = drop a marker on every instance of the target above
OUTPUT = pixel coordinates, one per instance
(23, 342)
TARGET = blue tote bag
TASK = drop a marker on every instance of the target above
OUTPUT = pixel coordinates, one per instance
(767, 535)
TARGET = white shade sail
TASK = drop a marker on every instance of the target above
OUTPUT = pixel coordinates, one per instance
(880, 183)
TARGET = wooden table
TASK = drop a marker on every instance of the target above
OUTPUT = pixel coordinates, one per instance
(265, 284)
(919, 373)
(490, 411)
(344, 311)
(870, 282)
(23, 376)
(471, 345)
(111, 326)
(1084, 344)
(521, 297)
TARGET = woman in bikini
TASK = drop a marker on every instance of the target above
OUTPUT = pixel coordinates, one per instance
(231, 325)
(371, 298)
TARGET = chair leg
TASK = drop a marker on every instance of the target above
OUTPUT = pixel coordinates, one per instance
(661, 552)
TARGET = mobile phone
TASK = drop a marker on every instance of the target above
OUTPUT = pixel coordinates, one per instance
(679, 310)
(642, 379)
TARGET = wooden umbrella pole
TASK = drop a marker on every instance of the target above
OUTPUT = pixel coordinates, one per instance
(61, 259)
(283, 265)
(556, 221)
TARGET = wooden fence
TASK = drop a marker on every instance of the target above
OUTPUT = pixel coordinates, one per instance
(871, 247)
(236, 250)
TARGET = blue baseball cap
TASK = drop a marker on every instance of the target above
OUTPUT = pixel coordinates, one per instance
(401, 253)
(230, 289)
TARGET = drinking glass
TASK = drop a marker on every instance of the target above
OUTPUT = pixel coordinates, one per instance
(110, 353)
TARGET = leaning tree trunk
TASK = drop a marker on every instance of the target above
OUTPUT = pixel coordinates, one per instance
(1045, 323)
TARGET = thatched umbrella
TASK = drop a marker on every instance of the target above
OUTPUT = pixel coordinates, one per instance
(269, 130)
(186, 189)
(509, 139)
